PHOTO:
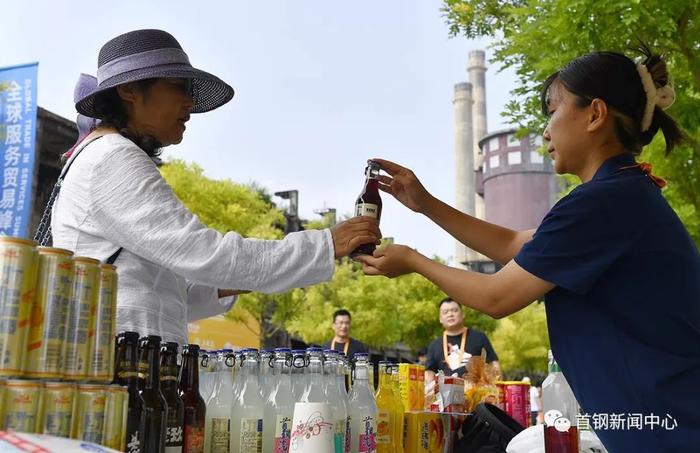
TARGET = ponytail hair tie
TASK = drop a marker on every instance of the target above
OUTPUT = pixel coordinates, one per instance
(662, 97)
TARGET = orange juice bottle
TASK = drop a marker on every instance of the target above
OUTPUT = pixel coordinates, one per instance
(386, 410)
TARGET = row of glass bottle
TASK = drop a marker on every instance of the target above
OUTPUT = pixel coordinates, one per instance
(256, 396)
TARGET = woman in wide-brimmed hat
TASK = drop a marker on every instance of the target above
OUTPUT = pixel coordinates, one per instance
(113, 201)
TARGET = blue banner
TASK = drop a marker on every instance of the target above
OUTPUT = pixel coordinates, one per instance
(18, 114)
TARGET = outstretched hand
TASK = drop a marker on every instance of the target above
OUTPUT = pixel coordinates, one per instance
(354, 232)
(390, 261)
(403, 185)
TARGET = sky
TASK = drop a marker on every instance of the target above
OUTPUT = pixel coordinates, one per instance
(321, 86)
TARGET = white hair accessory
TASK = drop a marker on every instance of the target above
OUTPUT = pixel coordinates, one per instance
(656, 97)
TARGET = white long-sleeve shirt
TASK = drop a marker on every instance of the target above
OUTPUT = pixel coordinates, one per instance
(114, 196)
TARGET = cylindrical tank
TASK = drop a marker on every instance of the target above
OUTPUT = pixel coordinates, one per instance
(518, 183)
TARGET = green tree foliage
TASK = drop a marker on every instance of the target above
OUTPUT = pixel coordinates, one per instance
(223, 204)
(537, 37)
(521, 341)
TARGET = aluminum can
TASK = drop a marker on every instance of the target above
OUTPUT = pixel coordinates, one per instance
(81, 311)
(89, 413)
(48, 317)
(21, 405)
(57, 409)
(114, 432)
(514, 399)
(18, 267)
(101, 367)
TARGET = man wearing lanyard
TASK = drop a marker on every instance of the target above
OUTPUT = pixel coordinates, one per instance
(341, 341)
(457, 343)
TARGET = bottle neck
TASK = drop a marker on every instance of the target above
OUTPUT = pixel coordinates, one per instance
(189, 373)
(315, 370)
(554, 367)
(128, 367)
(150, 358)
(168, 370)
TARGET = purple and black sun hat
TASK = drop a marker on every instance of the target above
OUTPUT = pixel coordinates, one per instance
(147, 54)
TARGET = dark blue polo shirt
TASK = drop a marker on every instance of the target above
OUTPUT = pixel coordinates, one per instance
(624, 318)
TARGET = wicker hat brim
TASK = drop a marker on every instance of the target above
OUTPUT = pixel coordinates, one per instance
(208, 91)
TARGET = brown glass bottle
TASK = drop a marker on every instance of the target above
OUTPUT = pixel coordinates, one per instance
(194, 406)
(153, 416)
(126, 374)
(168, 387)
(369, 204)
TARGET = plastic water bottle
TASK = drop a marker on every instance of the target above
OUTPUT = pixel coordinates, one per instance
(363, 409)
(560, 412)
(279, 407)
(337, 400)
(248, 408)
(298, 380)
(217, 433)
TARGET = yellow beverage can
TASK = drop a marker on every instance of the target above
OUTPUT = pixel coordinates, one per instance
(101, 367)
(3, 385)
(47, 321)
(114, 433)
(89, 413)
(81, 310)
(21, 405)
(125, 415)
(56, 409)
(18, 263)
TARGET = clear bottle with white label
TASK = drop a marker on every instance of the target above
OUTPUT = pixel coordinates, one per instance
(217, 428)
(248, 408)
(279, 407)
(236, 371)
(369, 203)
(363, 409)
(315, 391)
(336, 399)
(299, 362)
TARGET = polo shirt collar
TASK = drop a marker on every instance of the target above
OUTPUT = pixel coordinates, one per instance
(613, 164)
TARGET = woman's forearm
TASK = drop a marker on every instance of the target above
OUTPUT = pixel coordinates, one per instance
(498, 243)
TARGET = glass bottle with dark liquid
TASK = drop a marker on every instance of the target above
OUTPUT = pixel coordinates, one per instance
(369, 204)
(126, 374)
(194, 406)
(168, 387)
(153, 417)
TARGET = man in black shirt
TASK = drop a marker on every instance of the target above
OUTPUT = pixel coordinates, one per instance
(457, 343)
(342, 341)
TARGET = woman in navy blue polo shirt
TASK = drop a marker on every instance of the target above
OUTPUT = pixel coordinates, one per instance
(618, 271)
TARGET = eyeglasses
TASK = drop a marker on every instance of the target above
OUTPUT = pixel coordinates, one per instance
(447, 311)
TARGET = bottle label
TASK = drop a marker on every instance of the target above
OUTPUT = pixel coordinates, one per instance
(133, 444)
(283, 434)
(194, 440)
(251, 435)
(367, 435)
(367, 210)
(383, 428)
(173, 438)
(348, 436)
(339, 435)
(220, 435)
